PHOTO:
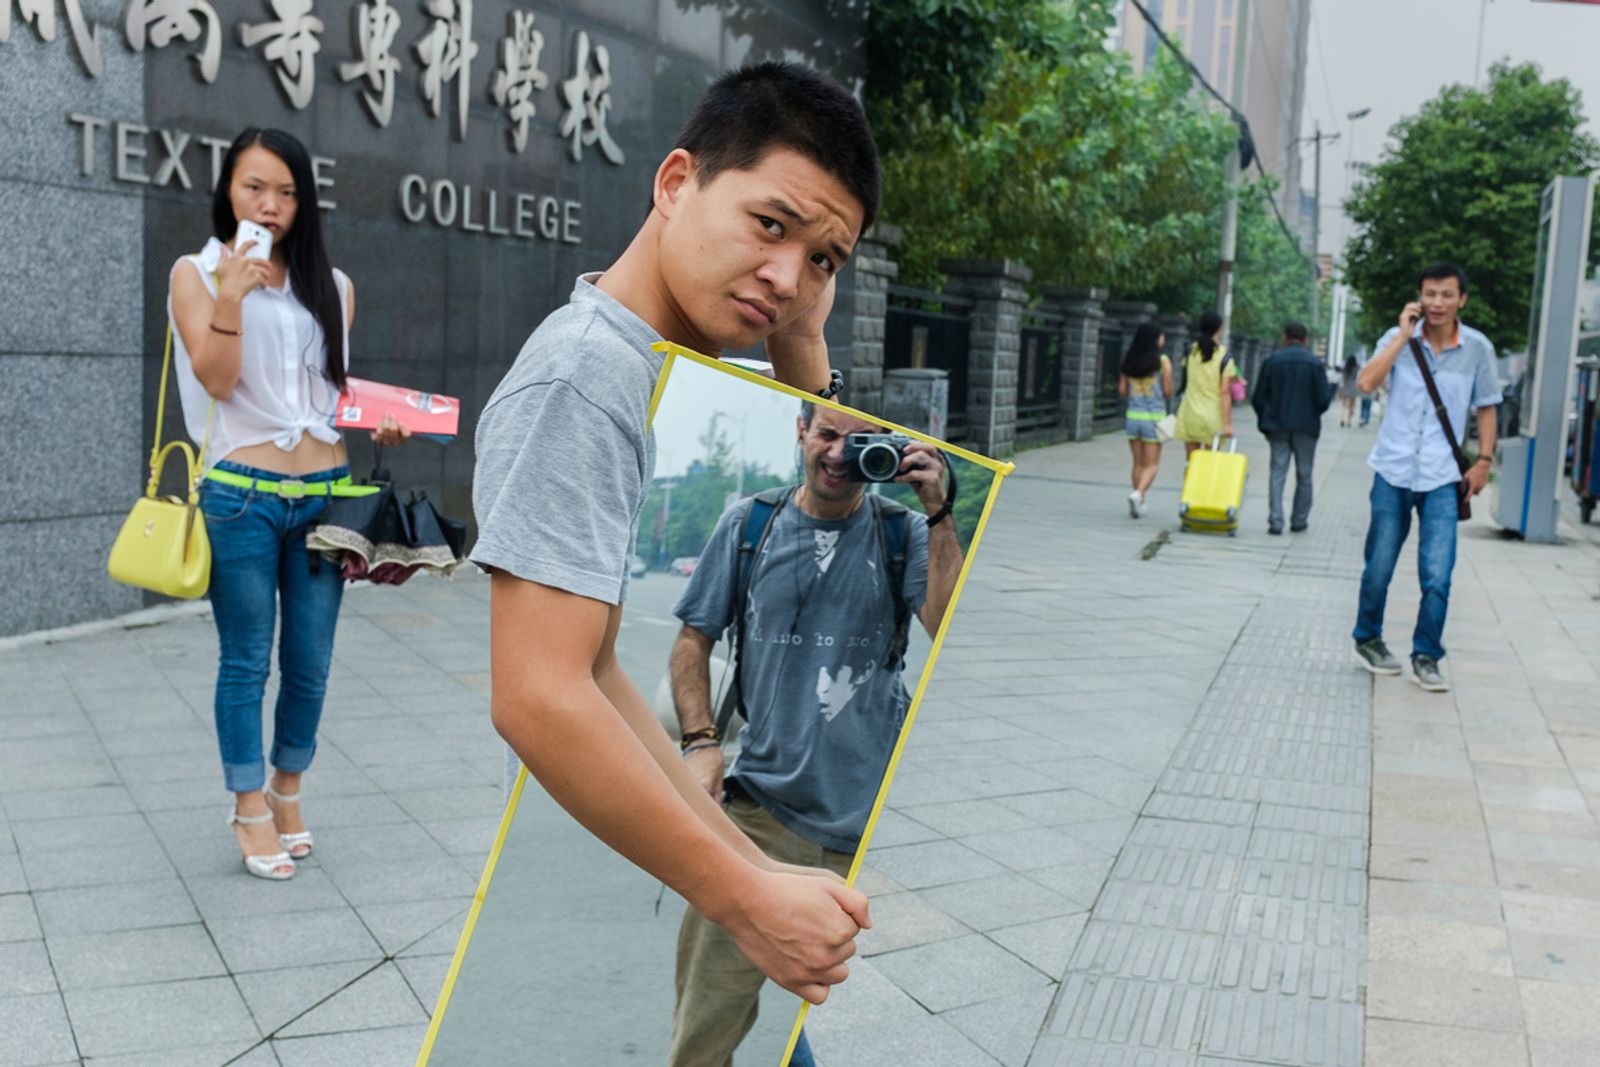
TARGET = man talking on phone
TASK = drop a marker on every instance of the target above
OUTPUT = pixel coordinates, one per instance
(1417, 464)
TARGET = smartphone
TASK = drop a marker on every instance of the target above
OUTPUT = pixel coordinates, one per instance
(249, 231)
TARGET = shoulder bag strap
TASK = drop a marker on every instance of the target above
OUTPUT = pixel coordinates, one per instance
(1438, 406)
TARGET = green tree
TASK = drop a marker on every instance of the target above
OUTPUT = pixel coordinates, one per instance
(1461, 183)
(1272, 280)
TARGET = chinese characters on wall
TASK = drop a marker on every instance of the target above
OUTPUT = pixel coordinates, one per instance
(290, 38)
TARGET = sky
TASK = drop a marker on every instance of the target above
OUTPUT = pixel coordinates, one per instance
(760, 420)
(1393, 55)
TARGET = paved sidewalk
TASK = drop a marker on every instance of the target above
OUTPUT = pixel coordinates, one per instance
(1133, 822)
(1132, 826)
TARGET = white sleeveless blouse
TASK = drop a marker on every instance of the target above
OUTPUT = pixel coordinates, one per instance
(283, 391)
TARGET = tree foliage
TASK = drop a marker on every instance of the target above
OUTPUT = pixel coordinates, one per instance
(1010, 130)
(1460, 182)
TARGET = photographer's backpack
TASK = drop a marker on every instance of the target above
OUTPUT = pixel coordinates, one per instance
(893, 523)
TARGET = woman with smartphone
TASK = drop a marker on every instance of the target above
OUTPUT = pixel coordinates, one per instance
(261, 327)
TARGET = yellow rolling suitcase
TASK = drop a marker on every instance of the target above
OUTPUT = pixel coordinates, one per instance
(1213, 489)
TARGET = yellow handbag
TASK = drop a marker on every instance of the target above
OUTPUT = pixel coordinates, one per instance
(163, 545)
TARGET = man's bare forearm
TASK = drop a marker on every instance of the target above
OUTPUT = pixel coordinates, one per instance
(1488, 431)
(1376, 372)
(944, 567)
(631, 706)
(690, 672)
(802, 363)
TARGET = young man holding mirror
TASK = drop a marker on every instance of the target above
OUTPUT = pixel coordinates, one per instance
(753, 213)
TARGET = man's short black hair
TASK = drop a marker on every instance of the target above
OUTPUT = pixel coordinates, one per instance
(752, 110)
(1440, 271)
(1296, 331)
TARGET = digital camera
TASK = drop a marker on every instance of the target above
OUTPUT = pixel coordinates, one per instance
(874, 457)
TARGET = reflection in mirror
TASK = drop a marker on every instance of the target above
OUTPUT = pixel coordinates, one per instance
(779, 614)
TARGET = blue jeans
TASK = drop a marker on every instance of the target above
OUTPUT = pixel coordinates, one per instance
(802, 1053)
(1303, 447)
(259, 563)
(1366, 408)
(1436, 558)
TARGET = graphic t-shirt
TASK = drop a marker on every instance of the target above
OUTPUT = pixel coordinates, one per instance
(819, 619)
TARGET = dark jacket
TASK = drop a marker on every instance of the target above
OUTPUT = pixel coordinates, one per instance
(1292, 391)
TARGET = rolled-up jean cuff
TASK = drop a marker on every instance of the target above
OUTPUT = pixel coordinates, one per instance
(292, 760)
(244, 777)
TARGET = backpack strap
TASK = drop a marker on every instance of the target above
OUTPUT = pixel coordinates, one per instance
(752, 539)
(893, 522)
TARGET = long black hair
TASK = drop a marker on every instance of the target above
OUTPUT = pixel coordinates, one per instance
(310, 274)
(1143, 358)
(1210, 323)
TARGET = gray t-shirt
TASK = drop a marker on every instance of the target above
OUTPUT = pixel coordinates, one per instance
(824, 711)
(565, 458)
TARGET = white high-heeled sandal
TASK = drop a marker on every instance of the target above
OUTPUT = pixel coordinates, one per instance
(297, 845)
(272, 867)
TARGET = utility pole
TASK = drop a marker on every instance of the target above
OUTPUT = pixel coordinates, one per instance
(1316, 222)
(1230, 204)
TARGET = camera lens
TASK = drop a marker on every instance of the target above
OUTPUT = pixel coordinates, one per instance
(879, 462)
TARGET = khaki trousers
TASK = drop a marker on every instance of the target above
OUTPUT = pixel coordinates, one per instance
(718, 989)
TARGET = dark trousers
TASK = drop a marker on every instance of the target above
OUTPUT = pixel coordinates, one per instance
(1303, 448)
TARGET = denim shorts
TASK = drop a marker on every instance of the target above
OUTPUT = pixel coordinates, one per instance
(1141, 430)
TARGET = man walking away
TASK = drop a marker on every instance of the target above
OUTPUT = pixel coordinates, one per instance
(1292, 392)
(1414, 464)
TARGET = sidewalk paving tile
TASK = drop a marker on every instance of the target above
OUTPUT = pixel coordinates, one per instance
(135, 957)
(958, 972)
(277, 998)
(269, 942)
(166, 1015)
(34, 1031)
(129, 905)
(395, 1045)
(1391, 1043)
(377, 1000)
(1443, 997)
(929, 1039)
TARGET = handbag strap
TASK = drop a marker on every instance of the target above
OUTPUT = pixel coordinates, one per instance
(1438, 405)
(156, 451)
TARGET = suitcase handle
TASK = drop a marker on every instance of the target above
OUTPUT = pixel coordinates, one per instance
(1216, 443)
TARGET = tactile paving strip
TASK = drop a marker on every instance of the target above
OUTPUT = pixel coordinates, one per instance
(1231, 929)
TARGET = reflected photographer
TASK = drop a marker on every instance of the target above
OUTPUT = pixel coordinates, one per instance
(818, 583)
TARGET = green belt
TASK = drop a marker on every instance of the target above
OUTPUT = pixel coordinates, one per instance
(292, 488)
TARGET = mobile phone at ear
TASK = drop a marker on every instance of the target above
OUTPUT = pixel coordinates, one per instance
(249, 231)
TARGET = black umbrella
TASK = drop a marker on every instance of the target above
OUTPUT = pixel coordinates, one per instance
(379, 539)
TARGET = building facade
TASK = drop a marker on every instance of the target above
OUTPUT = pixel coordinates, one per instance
(1273, 93)
(473, 157)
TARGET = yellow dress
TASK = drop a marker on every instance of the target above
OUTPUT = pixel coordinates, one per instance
(1200, 414)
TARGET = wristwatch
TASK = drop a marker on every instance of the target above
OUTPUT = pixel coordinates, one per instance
(710, 733)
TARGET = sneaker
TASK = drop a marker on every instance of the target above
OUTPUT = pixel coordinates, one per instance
(1144, 505)
(1275, 531)
(1135, 505)
(1374, 655)
(1425, 672)
(1298, 529)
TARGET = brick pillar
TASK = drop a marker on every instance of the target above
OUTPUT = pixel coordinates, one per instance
(873, 262)
(1082, 314)
(996, 289)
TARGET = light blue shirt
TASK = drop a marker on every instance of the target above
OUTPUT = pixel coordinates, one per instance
(1412, 451)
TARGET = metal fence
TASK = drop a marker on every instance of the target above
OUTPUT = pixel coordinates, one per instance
(928, 329)
(1039, 373)
(1107, 404)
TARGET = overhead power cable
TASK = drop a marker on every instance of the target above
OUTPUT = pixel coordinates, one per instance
(1247, 144)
